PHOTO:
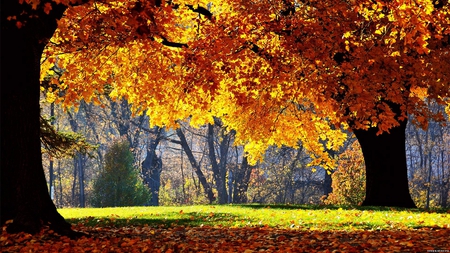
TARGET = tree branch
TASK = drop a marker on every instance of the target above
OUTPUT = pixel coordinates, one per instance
(165, 42)
(200, 10)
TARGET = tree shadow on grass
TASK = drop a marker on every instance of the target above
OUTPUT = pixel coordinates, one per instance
(166, 220)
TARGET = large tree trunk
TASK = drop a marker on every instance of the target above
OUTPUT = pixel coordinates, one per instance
(386, 171)
(24, 194)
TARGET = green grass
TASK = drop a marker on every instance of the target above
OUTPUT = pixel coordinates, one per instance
(279, 216)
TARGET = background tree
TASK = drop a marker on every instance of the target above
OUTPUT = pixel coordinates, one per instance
(182, 182)
(241, 178)
(285, 177)
(152, 166)
(196, 166)
(349, 179)
(179, 186)
(428, 157)
(219, 157)
(119, 183)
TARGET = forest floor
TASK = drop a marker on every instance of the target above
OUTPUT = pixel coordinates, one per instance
(243, 228)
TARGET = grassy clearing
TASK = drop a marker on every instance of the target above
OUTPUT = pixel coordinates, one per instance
(276, 216)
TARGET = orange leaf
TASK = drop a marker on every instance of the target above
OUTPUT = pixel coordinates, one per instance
(47, 8)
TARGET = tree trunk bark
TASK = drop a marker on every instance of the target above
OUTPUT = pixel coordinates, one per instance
(74, 183)
(81, 179)
(219, 168)
(50, 167)
(444, 185)
(241, 180)
(328, 180)
(327, 183)
(152, 168)
(24, 194)
(386, 169)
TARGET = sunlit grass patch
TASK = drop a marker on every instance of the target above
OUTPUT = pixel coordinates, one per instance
(278, 216)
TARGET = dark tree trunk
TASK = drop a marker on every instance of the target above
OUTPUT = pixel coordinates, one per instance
(24, 194)
(154, 180)
(59, 203)
(152, 168)
(81, 179)
(327, 183)
(386, 169)
(328, 180)
(74, 183)
(444, 194)
(444, 185)
(241, 180)
(219, 168)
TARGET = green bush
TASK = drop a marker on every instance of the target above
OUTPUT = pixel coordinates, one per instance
(119, 183)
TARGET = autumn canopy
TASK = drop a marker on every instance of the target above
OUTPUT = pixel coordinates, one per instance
(276, 72)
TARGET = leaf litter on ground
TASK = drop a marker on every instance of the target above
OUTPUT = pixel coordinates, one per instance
(241, 229)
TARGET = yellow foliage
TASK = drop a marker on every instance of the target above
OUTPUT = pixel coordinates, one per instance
(50, 97)
(275, 79)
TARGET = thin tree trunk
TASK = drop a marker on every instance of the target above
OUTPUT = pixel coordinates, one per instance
(427, 205)
(81, 180)
(183, 178)
(195, 166)
(444, 183)
(386, 169)
(51, 190)
(230, 186)
(60, 197)
(74, 183)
